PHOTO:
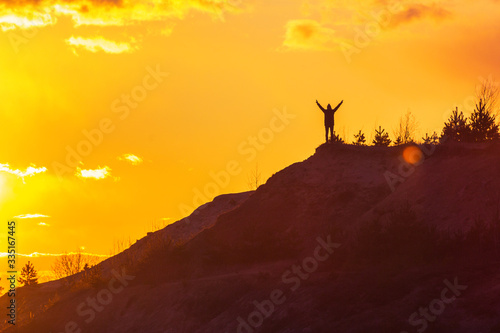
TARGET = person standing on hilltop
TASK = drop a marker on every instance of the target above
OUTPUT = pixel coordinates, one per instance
(329, 121)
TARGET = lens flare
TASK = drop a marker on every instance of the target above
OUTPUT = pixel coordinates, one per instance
(413, 155)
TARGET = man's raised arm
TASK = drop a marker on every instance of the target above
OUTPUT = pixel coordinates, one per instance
(319, 105)
(337, 107)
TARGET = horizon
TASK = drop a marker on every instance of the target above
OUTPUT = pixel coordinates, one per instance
(113, 127)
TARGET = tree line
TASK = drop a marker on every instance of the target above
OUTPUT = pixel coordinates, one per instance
(480, 126)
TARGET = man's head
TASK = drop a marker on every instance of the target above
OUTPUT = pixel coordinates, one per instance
(329, 107)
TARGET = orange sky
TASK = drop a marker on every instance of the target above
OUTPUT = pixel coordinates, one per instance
(204, 77)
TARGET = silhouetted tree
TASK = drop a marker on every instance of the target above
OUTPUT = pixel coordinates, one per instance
(405, 132)
(488, 92)
(430, 140)
(29, 276)
(381, 137)
(359, 139)
(70, 264)
(456, 128)
(254, 178)
(483, 126)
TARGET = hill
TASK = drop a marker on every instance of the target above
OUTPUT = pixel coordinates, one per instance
(353, 239)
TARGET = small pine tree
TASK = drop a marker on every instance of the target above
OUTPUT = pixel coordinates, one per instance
(456, 128)
(430, 140)
(336, 139)
(482, 124)
(360, 139)
(381, 137)
(29, 276)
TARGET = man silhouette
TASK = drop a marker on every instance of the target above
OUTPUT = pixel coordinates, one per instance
(329, 121)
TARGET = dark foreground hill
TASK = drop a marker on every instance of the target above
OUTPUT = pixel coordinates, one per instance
(353, 239)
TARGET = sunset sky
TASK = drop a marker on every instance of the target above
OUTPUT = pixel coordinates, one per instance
(116, 114)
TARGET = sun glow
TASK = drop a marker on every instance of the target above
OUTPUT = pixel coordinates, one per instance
(3, 187)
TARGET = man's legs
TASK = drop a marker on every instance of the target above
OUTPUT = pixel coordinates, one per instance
(331, 133)
(326, 133)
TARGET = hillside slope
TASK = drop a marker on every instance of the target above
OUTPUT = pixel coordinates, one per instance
(326, 245)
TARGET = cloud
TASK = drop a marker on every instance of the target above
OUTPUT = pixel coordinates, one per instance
(38, 13)
(416, 12)
(30, 216)
(100, 44)
(309, 35)
(38, 254)
(359, 13)
(43, 224)
(341, 21)
(29, 172)
(131, 158)
(10, 20)
(97, 174)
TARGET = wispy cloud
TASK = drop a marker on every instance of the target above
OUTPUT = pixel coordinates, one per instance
(414, 12)
(12, 19)
(131, 158)
(97, 174)
(43, 224)
(30, 171)
(29, 13)
(309, 35)
(30, 216)
(341, 20)
(97, 44)
(38, 254)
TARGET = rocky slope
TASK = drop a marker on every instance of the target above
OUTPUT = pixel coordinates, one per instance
(353, 239)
